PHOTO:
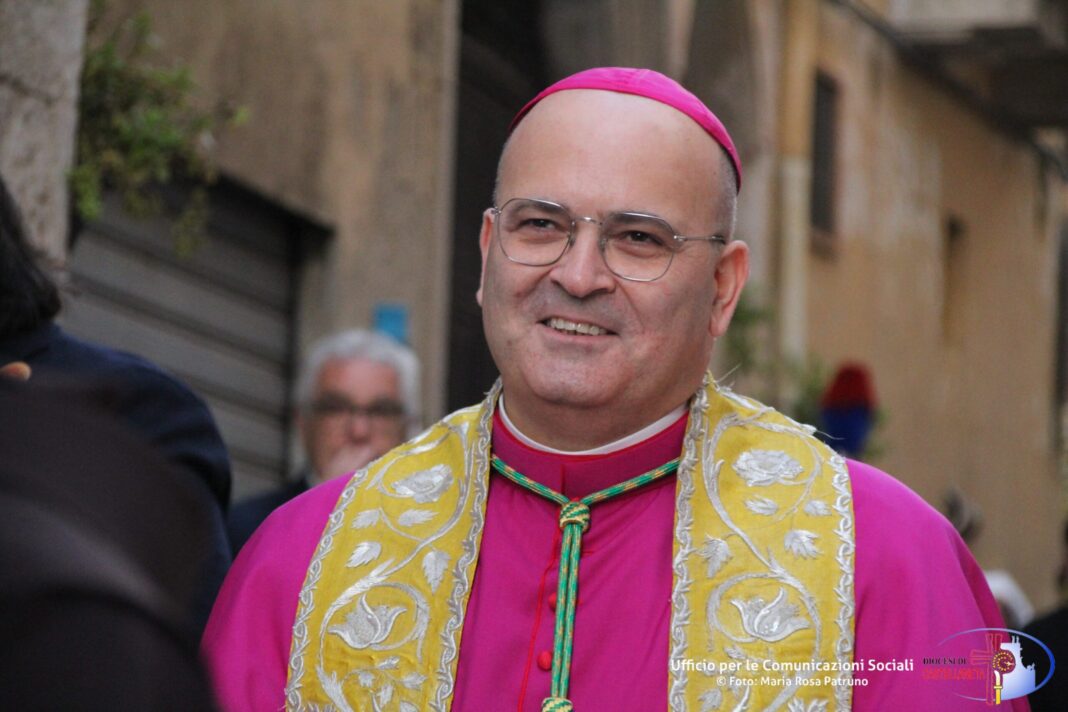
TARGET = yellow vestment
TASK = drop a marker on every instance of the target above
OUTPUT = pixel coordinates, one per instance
(762, 597)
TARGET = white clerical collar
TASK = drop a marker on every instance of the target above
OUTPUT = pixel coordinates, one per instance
(645, 433)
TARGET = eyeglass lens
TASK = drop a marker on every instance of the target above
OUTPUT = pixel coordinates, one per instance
(537, 233)
(378, 410)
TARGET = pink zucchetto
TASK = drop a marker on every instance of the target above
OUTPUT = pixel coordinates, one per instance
(652, 85)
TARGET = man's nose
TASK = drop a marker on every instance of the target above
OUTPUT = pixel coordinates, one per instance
(582, 270)
(359, 426)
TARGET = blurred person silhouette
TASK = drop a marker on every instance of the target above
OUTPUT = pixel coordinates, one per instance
(847, 409)
(1052, 629)
(967, 518)
(357, 397)
(155, 404)
(103, 545)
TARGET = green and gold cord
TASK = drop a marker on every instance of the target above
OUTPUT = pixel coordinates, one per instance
(574, 520)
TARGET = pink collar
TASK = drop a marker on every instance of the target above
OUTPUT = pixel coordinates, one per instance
(579, 475)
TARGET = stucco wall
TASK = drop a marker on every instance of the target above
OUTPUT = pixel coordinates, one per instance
(351, 107)
(960, 342)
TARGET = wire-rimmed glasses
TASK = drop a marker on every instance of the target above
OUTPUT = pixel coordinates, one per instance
(635, 246)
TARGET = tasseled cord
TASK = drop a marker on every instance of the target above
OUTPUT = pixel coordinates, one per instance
(574, 520)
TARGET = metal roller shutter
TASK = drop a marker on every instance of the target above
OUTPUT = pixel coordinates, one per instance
(220, 318)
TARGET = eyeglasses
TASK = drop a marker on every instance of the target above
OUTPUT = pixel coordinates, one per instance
(635, 246)
(381, 412)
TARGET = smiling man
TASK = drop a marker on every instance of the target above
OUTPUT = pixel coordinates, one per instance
(610, 529)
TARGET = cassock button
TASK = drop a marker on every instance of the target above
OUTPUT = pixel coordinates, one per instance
(545, 660)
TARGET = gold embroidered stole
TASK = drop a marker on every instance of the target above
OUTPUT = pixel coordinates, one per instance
(762, 601)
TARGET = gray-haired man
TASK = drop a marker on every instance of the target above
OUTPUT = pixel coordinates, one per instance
(357, 397)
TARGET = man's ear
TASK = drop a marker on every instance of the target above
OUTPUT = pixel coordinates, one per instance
(484, 246)
(732, 271)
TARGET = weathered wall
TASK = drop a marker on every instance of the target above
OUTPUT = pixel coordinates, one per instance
(351, 110)
(960, 340)
(40, 60)
(352, 106)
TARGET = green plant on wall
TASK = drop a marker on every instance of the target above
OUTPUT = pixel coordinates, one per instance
(741, 343)
(138, 129)
(804, 380)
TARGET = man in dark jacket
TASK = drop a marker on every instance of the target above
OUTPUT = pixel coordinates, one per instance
(101, 562)
(154, 404)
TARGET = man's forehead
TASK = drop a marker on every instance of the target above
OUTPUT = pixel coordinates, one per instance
(357, 375)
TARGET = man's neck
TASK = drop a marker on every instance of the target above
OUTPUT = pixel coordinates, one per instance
(584, 444)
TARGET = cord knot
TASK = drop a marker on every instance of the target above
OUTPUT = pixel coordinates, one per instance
(575, 513)
(556, 704)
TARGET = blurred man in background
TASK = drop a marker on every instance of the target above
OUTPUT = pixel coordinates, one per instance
(357, 397)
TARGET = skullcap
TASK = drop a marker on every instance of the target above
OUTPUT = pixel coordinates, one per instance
(652, 85)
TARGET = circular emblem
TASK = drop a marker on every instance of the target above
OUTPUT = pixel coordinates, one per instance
(1004, 662)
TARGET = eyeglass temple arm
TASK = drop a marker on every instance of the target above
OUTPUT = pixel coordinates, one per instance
(710, 238)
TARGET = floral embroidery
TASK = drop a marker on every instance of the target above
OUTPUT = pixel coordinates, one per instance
(800, 543)
(769, 621)
(434, 564)
(802, 477)
(711, 700)
(387, 608)
(715, 552)
(365, 552)
(366, 518)
(761, 505)
(817, 508)
(761, 468)
(426, 486)
(367, 626)
(414, 516)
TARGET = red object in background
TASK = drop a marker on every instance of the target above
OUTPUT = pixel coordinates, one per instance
(851, 387)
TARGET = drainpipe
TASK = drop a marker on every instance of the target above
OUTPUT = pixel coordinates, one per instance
(797, 79)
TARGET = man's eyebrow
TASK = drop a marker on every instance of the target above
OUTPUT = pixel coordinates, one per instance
(338, 395)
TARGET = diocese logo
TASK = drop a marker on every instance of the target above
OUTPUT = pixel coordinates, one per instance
(990, 665)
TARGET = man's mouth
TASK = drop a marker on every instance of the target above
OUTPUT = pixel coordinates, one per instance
(575, 327)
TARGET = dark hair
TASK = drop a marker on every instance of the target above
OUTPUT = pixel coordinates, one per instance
(28, 297)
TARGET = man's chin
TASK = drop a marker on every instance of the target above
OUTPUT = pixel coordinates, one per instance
(572, 389)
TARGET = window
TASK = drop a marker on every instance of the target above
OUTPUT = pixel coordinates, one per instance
(824, 135)
(954, 242)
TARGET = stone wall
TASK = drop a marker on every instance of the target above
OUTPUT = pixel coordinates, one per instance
(41, 45)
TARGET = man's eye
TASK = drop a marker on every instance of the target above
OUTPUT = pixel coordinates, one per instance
(637, 236)
(638, 239)
(331, 407)
(386, 409)
(541, 224)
